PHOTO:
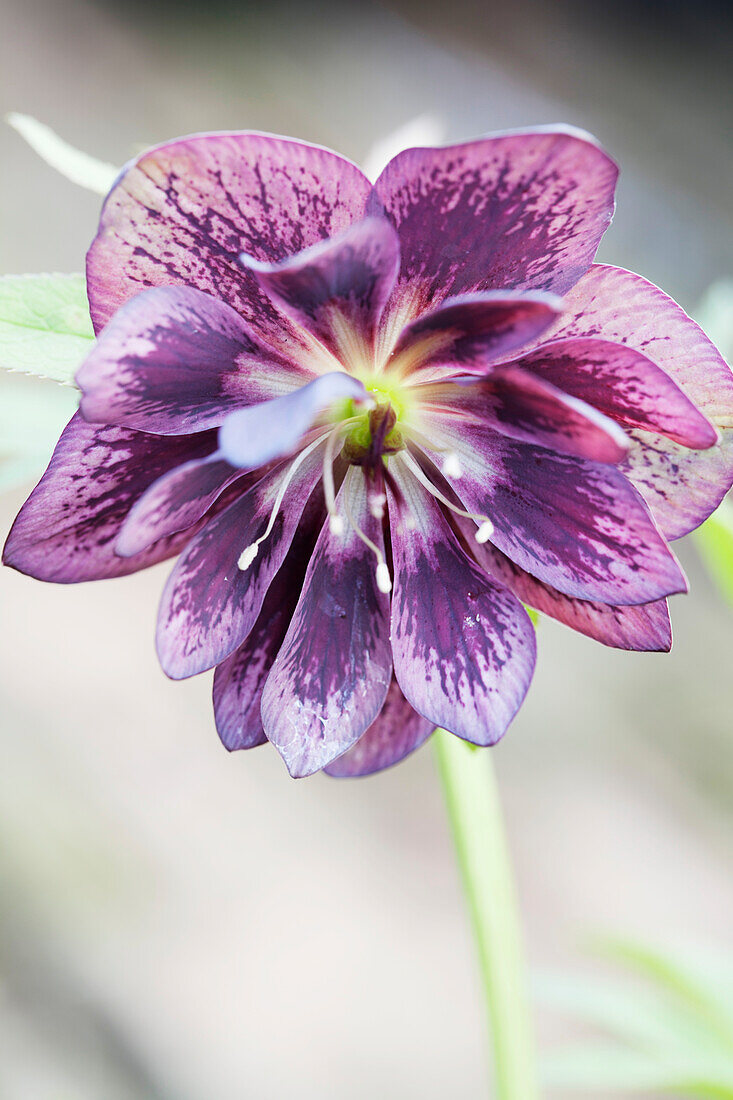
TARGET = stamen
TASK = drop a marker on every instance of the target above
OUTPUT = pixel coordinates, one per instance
(384, 581)
(486, 527)
(250, 552)
(452, 466)
(336, 524)
(376, 505)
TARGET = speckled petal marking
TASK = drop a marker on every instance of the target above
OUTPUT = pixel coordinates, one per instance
(239, 680)
(397, 732)
(337, 290)
(209, 604)
(174, 361)
(643, 628)
(623, 384)
(472, 331)
(520, 211)
(579, 526)
(331, 676)
(518, 404)
(176, 501)
(682, 487)
(67, 529)
(464, 648)
(183, 212)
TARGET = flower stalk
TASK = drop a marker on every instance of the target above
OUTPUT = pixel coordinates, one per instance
(474, 811)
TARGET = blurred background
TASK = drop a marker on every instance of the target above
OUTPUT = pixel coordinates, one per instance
(180, 924)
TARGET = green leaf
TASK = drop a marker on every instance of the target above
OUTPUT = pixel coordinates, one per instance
(45, 328)
(602, 1067)
(534, 615)
(670, 1032)
(702, 985)
(715, 543)
(80, 168)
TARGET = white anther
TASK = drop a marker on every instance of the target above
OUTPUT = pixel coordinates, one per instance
(335, 524)
(485, 531)
(248, 556)
(486, 527)
(384, 581)
(376, 505)
(452, 466)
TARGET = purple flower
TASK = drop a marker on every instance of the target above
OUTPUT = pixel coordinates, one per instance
(373, 420)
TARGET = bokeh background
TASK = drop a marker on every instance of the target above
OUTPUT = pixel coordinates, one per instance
(181, 924)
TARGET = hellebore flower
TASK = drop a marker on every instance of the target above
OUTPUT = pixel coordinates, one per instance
(373, 420)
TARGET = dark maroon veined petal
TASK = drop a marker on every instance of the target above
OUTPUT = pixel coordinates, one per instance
(644, 628)
(331, 676)
(579, 526)
(623, 384)
(210, 604)
(175, 501)
(523, 210)
(397, 732)
(239, 680)
(182, 213)
(174, 361)
(682, 487)
(251, 437)
(517, 403)
(338, 289)
(463, 645)
(472, 330)
(67, 529)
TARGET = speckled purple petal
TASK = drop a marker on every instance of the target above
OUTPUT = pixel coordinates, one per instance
(682, 487)
(209, 604)
(519, 211)
(176, 501)
(644, 628)
(183, 212)
(251, 437)
(463, 646)
(67, 529)
(239, 680)
(623, 384)
(473, 330)
(579, 526)
(397, 732)
(174, 361)
(331, 676)
(337, 290)
(523, 406)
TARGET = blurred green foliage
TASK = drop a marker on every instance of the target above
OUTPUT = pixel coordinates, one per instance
(668, 1028)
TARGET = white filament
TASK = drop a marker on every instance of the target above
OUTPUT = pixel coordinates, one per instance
(486, 527)
(250, 552)
(384, 582)
(336, 524)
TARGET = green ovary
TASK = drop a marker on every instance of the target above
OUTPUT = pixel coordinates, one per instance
(388, 398)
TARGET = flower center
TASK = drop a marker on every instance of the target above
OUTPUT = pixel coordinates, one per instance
(372, 433)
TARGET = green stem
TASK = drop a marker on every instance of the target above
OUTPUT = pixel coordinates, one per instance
(474, 810)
